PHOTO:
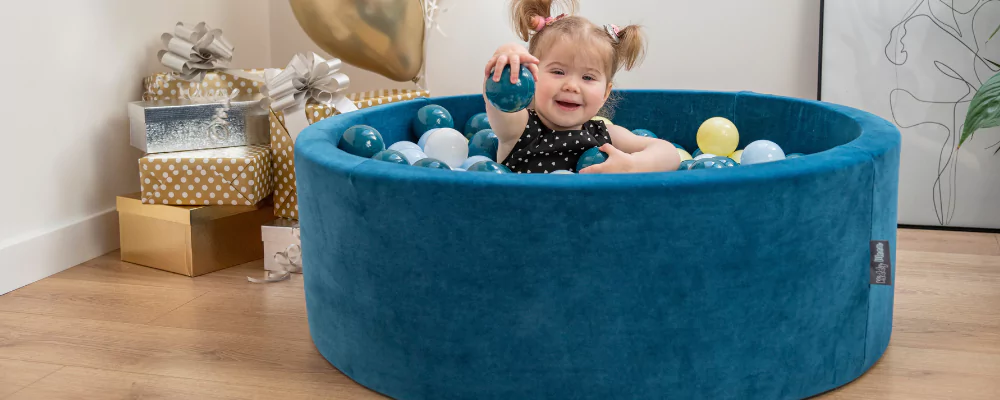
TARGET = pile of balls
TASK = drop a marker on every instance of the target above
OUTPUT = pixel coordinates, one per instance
(441, 146)
(717, 140)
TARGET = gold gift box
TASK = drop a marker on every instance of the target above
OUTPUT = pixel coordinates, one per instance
(286, 202)
(226, 176)
(167, 86)
(191, 240)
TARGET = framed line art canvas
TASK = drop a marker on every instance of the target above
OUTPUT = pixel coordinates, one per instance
(918, 63)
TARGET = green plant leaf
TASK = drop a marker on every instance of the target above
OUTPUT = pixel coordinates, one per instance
(994, 33)
(984, 110)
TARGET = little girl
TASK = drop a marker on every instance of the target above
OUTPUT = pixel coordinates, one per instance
(573, 62)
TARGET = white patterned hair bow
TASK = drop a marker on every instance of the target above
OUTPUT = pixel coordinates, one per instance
(307, 77)
(193, 51)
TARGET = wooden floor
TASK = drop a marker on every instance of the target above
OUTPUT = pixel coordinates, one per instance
(110, 330)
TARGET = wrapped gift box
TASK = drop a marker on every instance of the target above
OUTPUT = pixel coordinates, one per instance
(282, 247)
(229, 176)
(161, 126)
(190, 240)
(168, 86)
(286, 204)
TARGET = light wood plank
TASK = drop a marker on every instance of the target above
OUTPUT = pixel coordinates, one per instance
(110, 269)
(96, 300)
(948, 242)
(180, 353)
(16, 375)
(914, 373)
(70, 382)
(269, 316)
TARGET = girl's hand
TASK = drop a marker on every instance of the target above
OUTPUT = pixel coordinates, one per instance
(618, 162)
(515, 54)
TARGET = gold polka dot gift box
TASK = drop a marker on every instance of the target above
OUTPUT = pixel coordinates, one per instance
(231, 176)
(170, 86)
(286, 203)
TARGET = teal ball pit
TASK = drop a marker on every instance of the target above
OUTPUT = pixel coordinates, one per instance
(581, 286)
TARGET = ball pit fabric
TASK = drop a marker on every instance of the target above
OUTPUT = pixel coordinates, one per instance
(740, 283)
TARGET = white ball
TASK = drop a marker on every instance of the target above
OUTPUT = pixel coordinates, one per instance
(427, 135)
(705, 155)
(458, 169)
(561, 172)
(412, 155)
(474, 159)
(761, 151)
(400, 146)
(448, 145)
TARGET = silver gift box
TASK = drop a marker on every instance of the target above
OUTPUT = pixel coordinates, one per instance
(164, 126)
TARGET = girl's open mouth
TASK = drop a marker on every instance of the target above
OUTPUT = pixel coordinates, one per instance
(567, 106)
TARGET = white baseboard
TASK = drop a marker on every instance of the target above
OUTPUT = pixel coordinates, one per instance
(30, 259)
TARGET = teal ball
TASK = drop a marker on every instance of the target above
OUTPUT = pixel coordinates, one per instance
(510, 97)
(685, 165)
(432, 116)
(391, 156)
(644, 133)
(679, 147)
(484, 143)
(728, 162)
(708, 163)
(432, 163)
(697, 152)
(592, 156)
(362, 141)
(475, 124)
(489, 166)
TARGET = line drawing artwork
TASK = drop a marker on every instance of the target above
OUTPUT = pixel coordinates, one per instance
(971, 70)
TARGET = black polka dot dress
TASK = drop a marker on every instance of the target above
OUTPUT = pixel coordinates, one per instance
(541, 150)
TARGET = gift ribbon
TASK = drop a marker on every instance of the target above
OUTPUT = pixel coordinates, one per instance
(307, 77)
(290, 261)
(194, 51)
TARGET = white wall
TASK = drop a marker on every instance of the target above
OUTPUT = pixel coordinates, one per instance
(70, 68)
(768, 46)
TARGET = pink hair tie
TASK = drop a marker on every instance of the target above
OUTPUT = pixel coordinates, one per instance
(614, 31)
(541, 23)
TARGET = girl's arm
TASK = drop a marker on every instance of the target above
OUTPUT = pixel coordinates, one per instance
(508, 126)
(632, 153)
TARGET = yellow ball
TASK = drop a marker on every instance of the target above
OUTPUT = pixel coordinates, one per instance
(684, 154)
(718, 135)
(737, 155)
(606, 121)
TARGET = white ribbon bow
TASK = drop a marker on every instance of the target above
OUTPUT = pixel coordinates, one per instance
(290, 261)
(192, 52)
(308, 76)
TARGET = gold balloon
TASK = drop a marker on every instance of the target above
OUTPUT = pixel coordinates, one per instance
(382, 36)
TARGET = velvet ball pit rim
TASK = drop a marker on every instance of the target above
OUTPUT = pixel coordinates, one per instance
(877, 136)
(851, 144)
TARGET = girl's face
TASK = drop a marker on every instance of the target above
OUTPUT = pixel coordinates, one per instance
(572, 85)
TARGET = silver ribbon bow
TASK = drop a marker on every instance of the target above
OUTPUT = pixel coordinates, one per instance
(290, 261)
(194, 51)
(308, 76)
